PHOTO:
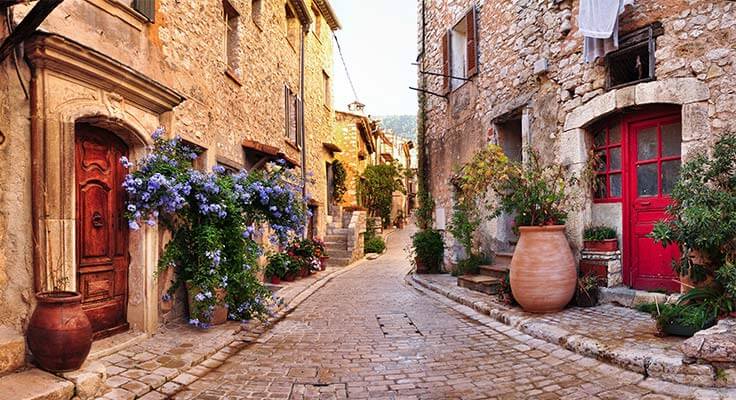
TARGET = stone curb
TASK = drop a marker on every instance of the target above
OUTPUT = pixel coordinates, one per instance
(670, 369)
(253, 333)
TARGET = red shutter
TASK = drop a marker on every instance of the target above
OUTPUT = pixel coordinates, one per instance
(472, 43)
(446, 61)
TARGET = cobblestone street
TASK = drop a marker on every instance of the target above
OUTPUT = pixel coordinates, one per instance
(367, 335)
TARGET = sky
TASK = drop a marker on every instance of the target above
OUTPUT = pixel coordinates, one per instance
(379, 43)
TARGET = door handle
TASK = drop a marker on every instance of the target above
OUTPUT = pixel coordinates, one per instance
(97, 220)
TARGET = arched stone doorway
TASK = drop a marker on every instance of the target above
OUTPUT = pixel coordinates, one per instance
(663, 121)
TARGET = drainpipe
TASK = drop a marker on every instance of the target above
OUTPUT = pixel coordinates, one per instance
(305, 30)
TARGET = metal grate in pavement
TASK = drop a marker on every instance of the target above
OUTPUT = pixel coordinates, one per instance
(331, 391)
(397, 325)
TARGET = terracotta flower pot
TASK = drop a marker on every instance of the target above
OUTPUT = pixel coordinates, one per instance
(59, 333)
(601, 245)
(323, 263)
(421, 268)
(543, 275)
(290, 277)
(275, 280)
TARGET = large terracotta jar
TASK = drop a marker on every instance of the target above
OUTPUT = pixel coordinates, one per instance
(59, 333)
(543, 274)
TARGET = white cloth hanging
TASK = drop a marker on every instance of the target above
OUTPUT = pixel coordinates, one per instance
(598, 22)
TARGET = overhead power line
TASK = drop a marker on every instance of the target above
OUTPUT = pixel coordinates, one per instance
(344, 64)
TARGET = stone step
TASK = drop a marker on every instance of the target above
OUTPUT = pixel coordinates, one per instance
(35, 384)
(342, 253)
(336, 245)
(503, 258)
(12, 350)
(337, 231)
(338, 262)
(329, 238)
(496, 271)
(480, 283)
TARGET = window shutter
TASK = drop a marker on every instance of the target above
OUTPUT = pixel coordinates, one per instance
(287, 119)
(145, 7)
(300, 132)
(472, 42)
(446, 61)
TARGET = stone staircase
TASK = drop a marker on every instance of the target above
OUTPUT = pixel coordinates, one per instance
(344, 238)
(490, 277)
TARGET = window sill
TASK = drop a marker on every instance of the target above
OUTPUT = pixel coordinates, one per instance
(292, 144)
(230, 74)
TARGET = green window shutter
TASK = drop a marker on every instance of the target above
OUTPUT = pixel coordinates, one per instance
(145, 7)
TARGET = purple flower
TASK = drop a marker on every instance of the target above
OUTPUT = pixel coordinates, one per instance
(134, 225)
(157, 133)
(199, 297)
(218, 169)
(125, 162)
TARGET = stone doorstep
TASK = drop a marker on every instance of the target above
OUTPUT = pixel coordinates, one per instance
(12, 350)
(660, 366)
(34, 384)
(176, 379)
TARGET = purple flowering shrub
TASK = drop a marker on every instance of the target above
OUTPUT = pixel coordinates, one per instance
(213, 217)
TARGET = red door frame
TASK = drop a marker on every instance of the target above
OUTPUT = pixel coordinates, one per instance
(628, 180)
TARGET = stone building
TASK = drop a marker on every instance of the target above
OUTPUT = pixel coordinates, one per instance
(244, 80)
(354, 134)
(517, 78)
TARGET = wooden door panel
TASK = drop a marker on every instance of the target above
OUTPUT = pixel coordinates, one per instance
(652, 164)
(102, 241)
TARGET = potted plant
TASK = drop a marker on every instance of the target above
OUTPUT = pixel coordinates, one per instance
(320, 253)
(680, 319)
(600, 238)
(429, 251)
(59, 332)
(542, 274)
(278, 264)
(586, 294)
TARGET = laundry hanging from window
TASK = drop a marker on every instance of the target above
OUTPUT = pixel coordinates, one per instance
(598, 21)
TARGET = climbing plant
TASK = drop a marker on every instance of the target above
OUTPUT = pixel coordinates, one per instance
(339, 181)
(423, 213)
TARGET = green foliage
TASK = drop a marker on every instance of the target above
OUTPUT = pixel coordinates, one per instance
(375, 245)
(377, 186)
(471, 265)
(535, 194)
(463, 224)
(702, 216)
(278, 265)
(693, 316)
(600, 232)
(429, 249)
(339, 181)
(423, 213)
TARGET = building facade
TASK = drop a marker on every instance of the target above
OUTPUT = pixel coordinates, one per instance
(355, 135)
(245, 81)
(513, 73)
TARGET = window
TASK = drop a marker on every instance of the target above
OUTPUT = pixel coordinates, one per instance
(327, 89)
(147, 8)
(293, 123)
(608, 163)
(255, 11)
(231, 19)
(317, 22)
(292, 26)
(460, 51)
(199, 163)
(634, 61)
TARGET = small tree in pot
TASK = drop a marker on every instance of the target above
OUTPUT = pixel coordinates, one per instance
(429, 251)
(543, 274)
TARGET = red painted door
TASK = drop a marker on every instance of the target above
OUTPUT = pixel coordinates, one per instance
(653, 169)
(102, 234)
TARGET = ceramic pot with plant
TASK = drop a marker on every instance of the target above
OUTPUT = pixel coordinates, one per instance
(59, 332)
(600, 238)
(542, 272)
(213, 313)
(680, 319)
(429, 251)
(586, 294)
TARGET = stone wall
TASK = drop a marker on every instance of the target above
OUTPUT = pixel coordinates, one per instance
(347, 137)
(695, 61)
(183, 51)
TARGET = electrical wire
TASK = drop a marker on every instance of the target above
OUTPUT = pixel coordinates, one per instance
(344, 64)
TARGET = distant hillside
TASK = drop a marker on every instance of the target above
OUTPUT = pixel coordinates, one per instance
(402, 125)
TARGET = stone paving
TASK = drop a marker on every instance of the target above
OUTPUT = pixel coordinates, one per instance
(366, 334)
(178, 354)
(619, 335)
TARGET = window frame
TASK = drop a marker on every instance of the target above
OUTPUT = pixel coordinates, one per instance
(470, 45)
(292, 108)
(607, 172)
(230, 39)
(631, 43)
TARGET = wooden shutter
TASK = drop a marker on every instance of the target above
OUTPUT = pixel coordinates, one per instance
(446, 61)
(472, 42)
(300, 132)
(146, 7)
(287, 106)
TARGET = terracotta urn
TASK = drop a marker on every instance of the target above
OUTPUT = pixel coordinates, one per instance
(543, 275)
(275, 280)
(59, 333)
(323, 262)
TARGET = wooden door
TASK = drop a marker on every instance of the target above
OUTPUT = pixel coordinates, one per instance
(102, 233)
(653, 168)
